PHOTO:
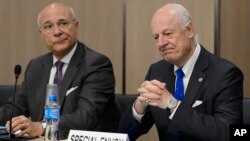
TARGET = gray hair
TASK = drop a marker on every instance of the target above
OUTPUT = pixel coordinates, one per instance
(185, 18)
(73, 15)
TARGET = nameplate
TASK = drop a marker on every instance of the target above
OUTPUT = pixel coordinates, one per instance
(80, 135)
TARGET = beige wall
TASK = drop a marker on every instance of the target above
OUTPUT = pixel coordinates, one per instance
(235, 42)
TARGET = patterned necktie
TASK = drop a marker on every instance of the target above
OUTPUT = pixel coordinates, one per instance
(179, 87)
(58, 75)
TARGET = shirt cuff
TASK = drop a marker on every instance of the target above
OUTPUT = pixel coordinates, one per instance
(172, 114)
(136, 115)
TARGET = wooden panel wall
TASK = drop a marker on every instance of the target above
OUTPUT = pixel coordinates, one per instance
(235, 43)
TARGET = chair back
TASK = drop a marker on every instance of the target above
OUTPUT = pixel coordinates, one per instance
(246, 110)
(5, 92)
(125, 101)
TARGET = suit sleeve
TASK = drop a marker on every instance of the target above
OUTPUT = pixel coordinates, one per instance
(134, 129)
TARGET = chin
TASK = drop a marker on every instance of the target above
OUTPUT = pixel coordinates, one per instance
(59, 47)
(169, 59)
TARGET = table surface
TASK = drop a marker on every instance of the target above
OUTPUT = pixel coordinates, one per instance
(42, 139)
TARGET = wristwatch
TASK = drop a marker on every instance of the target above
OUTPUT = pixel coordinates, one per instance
(172, 102)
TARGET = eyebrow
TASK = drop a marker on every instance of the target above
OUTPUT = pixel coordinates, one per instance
(60, 20)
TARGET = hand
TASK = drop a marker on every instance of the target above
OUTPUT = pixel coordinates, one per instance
(152, 93)
(25, 126)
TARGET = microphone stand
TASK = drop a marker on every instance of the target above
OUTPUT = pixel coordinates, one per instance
(12, 108)
(12, 137)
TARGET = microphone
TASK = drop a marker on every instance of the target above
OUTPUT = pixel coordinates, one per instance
(17, 72)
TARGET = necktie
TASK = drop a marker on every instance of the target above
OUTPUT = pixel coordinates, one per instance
(58, 75)
(178, 94)
(179, 87)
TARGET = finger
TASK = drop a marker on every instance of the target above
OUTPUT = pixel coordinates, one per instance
(20, 120)
(25, 130)
(145, 83)
(21, 126)
(158, 83)
(143, 99)
(15, 125)
(151, 96)
(142, 90)
(20, 133)
(151, 102)
(155, 104)
(23, 119)
(143, 87)
(154, 88)
(16, 121)
(7, 125)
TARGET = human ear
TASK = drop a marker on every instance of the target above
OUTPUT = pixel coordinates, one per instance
(190, 30)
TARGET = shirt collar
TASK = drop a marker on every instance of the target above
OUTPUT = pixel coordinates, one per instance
(189, 66)
(67, 57)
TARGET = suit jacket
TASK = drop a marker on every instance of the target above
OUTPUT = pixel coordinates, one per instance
(91, 106)
(215, 82)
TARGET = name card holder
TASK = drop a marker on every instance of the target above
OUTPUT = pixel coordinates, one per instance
(80, 135)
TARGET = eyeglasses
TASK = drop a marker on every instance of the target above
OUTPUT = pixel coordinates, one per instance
(62, 25)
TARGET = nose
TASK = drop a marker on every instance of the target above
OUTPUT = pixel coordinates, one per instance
(57, 31)
(162, 41)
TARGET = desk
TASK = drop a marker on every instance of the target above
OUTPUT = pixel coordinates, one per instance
(36, 139)
(42, 139)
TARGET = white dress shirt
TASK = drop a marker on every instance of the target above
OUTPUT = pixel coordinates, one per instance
(66, 59)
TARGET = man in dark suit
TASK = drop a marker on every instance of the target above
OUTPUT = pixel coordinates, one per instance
(197, 104)
(86, 93)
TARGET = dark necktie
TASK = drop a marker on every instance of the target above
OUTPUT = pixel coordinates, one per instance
(179, 87)
(58, 75)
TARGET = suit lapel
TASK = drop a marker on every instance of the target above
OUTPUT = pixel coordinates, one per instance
(67, 80)
(170, 80)
(197, 78)
(70, 72)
